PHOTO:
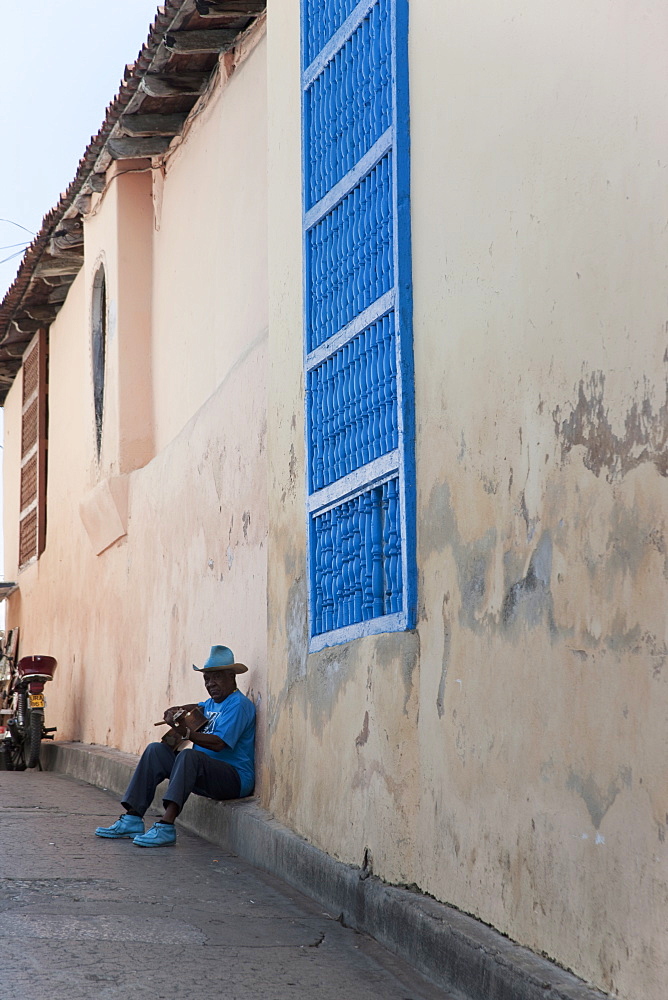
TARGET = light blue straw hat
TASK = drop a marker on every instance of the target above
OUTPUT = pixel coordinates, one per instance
(222, 658)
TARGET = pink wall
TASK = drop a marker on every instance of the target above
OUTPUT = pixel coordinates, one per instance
(183, 439)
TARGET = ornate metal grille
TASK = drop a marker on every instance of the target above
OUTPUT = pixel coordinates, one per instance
(357, 550)
(357, 318)
(322, 19)
(349, 105)
(353, 395)
(350, 255)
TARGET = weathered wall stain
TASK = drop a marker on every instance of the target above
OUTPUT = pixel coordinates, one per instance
(597, 800)
(447, 642)
(317, 680)
(289, 489)
(657, 539)
(588, 425)
(636, 641)
(327, 673)
(364, 732)
(296, 630)
(402, 649)
(365, 777)
(531, 522)
(530, 598)
(440, 531)
(472, 579)
(630, 539)
(293, 469)
(438, 527)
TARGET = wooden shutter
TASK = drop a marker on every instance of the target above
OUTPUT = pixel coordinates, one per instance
(32, 520)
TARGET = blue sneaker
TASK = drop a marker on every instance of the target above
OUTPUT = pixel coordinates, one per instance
(126, 827)
(160, 835)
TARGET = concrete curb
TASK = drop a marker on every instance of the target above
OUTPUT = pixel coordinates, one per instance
(453, 950)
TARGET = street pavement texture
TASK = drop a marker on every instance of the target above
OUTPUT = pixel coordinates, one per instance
(83, 918)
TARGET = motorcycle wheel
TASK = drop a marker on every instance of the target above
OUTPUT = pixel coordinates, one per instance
(34, 731)
(14, 759)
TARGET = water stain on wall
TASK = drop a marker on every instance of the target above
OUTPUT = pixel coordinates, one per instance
(447, 642)
(645, 437)
(530, 598)
(527, 598)
(372, 773)
(402, 650)
(596, 799)
(364, 732)
(328, 672)
(439, 530)
(296, 631)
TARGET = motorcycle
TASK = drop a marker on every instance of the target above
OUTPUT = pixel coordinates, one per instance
(25, 729)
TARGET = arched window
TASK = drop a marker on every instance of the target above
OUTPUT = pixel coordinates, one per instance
(99, 344)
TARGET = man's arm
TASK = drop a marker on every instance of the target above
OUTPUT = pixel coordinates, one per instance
(206, 740)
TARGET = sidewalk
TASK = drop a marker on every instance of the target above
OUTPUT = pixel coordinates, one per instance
(458, 953)
(83, 918)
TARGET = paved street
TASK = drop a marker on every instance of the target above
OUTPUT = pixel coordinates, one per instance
(82, 917)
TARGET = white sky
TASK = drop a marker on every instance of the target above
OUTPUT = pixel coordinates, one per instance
(62, 63)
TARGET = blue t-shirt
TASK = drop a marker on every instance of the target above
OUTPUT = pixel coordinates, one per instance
(233, 720)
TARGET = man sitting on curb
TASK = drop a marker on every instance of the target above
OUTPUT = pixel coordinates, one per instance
(221, 764)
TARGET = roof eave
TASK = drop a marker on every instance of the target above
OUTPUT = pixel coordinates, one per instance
(155, 97)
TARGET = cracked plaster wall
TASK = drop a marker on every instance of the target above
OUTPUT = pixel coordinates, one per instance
(508, 756)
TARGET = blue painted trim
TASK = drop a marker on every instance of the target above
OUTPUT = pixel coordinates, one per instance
(404, 317)
(306, 180)
(362, 479)
(337, 41)
(304, 140)
(374, 626)
(351, 179)
(399, 299)
(373, 312)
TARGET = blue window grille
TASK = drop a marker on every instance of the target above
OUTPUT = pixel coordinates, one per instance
(357, 318)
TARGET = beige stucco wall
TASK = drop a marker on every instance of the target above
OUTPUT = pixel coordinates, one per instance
(213, 290)
(183, 442)
(508, 755)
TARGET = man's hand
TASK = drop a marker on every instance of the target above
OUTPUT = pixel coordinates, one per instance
(169, 713)
(205, 740)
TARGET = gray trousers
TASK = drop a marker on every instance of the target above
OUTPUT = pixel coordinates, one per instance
(188, 771)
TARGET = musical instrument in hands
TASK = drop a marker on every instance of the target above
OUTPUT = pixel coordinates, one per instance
(193, 719)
